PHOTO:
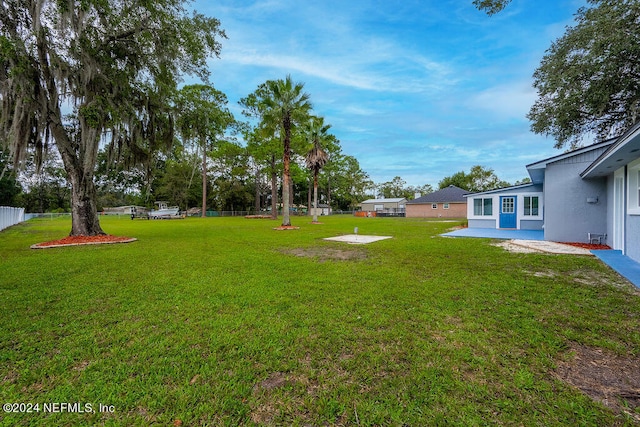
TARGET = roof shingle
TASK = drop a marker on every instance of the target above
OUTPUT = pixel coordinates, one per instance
(450, 194)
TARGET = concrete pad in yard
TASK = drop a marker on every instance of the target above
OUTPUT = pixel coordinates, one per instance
(357, 239)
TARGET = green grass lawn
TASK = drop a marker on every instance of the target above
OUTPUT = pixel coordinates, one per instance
(224, 321)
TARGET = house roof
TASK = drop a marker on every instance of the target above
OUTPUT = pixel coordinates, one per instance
(450, 194)
(624, 150)
(536, 170)
(530, 187)
(390, 200)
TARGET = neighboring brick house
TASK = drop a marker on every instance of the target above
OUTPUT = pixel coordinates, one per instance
(446, 203)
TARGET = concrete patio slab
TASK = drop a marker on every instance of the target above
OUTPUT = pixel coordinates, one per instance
(357, 239)
(497, 233)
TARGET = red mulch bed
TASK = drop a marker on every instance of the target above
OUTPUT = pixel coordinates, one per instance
(590, 246)
(83, 240)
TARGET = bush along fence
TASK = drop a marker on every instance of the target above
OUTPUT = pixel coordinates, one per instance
(10, 216)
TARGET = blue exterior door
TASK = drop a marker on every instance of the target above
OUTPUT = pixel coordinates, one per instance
(508, 212)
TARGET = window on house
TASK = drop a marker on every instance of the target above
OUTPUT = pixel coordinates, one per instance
(634, 188)
(434, 206)
(531, 205)
(445, 206)
(483, 207)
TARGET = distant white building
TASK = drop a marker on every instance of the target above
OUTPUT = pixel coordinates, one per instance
(393, 206)
(323, 209)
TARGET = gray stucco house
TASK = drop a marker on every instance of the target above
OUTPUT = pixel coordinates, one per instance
(586, 195)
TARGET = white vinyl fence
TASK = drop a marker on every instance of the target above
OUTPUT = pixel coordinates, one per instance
(10, 216)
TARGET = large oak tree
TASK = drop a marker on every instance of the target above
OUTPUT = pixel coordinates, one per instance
(589, 80)
(81, 73)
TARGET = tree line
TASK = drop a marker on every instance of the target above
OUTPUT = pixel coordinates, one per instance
(236, 181)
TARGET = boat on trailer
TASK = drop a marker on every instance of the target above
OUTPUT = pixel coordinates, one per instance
(164, 211)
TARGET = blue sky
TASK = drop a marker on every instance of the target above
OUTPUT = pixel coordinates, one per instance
(416, 89)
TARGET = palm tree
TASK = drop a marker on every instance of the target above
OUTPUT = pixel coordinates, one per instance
(317, 157)
(286, 105)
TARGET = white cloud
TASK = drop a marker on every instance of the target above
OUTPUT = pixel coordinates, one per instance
(364, 71)
(507, 101)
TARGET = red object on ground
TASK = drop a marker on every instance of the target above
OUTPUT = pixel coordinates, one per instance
(591, 246)
(85, 240)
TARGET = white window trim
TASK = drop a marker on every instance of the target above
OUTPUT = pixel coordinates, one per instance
(434, 206)
(445, 206)
(633, 192)
(483, 215)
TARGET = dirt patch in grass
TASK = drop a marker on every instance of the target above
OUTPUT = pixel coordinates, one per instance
(328, 254)
(590, 278)
(269, 405)
(608, 378)
(275, 380)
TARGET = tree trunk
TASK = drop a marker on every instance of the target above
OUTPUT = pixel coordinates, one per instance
(41, 194)
(291, 192)
(309, 206)
(84, 211)
(257, 204)
(329, 192)
(315, 196)
(80, 170)
(286, 221)
(286, 160)
(204, 181)
(274, 189)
